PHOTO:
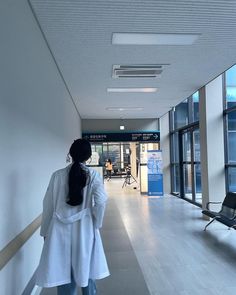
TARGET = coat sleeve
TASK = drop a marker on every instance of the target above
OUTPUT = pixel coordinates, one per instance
(100, 198)
(47, 208)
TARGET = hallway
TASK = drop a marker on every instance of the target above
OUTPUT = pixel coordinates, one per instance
(166, 235)
(119, 71)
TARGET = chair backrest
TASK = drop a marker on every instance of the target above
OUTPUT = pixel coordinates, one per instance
(229, 205)
(230, 200)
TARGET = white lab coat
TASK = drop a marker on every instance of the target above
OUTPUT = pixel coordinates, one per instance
(73, 241)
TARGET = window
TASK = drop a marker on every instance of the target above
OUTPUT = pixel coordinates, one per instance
(195, 97)
(181, 115)
(230, 128)
(230, 81)
(185, 155)
(175, 163)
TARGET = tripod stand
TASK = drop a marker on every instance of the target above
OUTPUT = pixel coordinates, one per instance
(129, 179)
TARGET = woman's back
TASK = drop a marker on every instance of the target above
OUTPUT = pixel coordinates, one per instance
(72, 240)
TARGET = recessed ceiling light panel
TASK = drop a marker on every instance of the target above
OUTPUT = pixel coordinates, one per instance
(124, 109)
(131, 90)
(153, 39)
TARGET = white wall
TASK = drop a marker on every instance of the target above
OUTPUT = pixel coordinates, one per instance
(89, 125)
(15, 275)
(37, 125)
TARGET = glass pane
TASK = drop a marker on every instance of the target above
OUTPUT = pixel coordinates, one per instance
(175, 179)
(231, 137)
(232, 179)
(97, 154)
(172, 141)
(105, 150)
(231, 146)
(126, 156)
(231, 87)
(98, 148)
(196, 106)
(114, 155)
(171, 117)
(232, 121)
(198, 183)
(181, 114)
(186, 147)
(231, 96)
(191, 178)
(187, 181)
(196, 142)
(175, 148)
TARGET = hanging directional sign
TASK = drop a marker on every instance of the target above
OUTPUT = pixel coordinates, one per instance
(146, 136)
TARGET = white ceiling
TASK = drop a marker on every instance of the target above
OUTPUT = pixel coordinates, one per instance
(79, 35)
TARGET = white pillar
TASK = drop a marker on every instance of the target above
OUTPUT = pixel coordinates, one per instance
(121, 156)
(212, 142)
(165, 147)
(133, 158)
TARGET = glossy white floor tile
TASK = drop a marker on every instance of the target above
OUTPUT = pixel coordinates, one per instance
(174, 253)
(157, 246)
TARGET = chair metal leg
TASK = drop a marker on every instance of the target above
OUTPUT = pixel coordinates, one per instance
(209, 223)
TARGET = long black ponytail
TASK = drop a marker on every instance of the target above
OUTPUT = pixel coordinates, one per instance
(80, 152)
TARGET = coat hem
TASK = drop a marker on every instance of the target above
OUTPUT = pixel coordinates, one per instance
(54, 284)
(102, 276)
(98, 277)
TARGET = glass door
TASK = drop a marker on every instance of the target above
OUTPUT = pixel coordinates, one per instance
(187, 166)
(190, 165)
(197, 167)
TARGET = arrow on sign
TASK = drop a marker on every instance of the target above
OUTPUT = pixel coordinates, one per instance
(155, 136)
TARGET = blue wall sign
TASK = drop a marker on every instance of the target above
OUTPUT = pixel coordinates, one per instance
(155, 173)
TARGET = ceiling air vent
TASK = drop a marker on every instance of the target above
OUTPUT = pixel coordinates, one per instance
(137, 71)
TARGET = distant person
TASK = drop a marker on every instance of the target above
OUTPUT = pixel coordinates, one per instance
(73, 210)
(108, 166)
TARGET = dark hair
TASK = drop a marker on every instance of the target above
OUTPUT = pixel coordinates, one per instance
(80, 151)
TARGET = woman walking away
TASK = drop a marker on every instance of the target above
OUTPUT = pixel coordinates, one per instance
(73, 210)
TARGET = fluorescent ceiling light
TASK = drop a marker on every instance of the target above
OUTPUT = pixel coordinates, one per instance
(153, 39)
(136, 90)
(124, 109)
(122, 127)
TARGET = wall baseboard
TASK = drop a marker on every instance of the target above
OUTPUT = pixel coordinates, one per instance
(37, 290)
(31, 288)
